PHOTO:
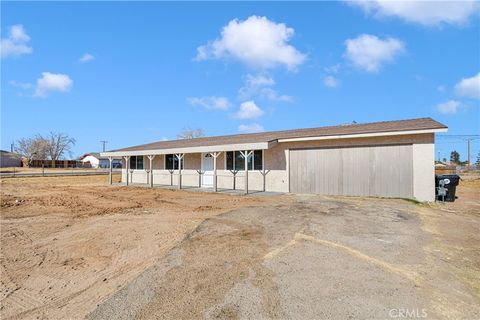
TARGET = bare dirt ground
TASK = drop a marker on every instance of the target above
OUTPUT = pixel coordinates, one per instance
(317, 257)
(71, 250)
(68, 243)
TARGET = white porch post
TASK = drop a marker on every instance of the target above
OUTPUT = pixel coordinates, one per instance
(110, 159)
(215, 155)
(151, 169)
(127, 165)
(245, 155)
(263, 172)
(180, 157)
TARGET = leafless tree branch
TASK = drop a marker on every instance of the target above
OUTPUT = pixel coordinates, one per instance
(188, 133)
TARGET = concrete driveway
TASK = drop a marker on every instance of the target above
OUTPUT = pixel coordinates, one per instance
(315, 257)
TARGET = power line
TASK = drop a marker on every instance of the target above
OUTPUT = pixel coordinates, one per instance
(459, 138)
(456, 141)
(454, 135)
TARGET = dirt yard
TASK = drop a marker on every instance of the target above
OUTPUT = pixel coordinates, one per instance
(68, 243)
(73, 247)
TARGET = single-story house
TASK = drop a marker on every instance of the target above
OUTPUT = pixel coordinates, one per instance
(10, 159)
(98, 161)
(382, 159)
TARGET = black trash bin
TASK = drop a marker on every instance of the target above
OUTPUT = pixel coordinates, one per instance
(451, 186)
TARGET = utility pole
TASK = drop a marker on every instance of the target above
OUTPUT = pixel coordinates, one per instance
(11, 147)
(104, 142)
(468, 148)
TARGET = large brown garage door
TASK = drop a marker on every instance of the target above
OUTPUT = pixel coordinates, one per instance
(355, 171)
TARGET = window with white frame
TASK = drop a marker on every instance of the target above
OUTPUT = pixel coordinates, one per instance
(136, 162)
(171, 162)
(235, 161)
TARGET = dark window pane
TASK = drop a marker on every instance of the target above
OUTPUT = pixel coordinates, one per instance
(133, 162)
(169, 161)
(229, 160)
(258, 155)
(140, 162)
(239, 161)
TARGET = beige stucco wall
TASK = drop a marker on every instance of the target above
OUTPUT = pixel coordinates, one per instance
(424, 171)
(276, 165)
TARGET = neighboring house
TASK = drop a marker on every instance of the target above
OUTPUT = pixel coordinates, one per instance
(384, 159)
(97, 161)
(443, 168)
(10, 159)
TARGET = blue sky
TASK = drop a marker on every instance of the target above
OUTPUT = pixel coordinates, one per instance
(150, 69)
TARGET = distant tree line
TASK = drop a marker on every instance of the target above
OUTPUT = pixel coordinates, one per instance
(54, 146)
(455, 159)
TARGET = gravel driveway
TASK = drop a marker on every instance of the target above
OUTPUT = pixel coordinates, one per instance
(315, 257)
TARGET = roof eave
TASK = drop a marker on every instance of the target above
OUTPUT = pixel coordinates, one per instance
(364, 135)
(199, 149)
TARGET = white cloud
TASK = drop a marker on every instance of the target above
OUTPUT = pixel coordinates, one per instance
(16, 43)
(369, 52)
(469, 87)
(249, 110)
(86, 58)
(21, 85)
(334, 68)
(331, 82)
(428, 13)
(250, 128)
(441, 88)
(259, 80)
(260, 86)
(210, 103)
(257, 42)
(449, 107)
(52, 82)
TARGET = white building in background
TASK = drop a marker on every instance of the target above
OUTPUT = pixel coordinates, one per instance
(97, 161)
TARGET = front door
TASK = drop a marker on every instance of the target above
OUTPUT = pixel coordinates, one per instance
(207, 168)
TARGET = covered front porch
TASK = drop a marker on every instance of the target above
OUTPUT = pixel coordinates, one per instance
(230, 169)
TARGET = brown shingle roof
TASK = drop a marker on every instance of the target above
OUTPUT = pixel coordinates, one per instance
(374, 127)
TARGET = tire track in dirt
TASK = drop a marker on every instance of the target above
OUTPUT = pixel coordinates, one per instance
(218, 255)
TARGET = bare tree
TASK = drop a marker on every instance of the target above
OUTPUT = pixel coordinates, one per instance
(53, 147)
(32, 148)
(59, 144)
(188, 133)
